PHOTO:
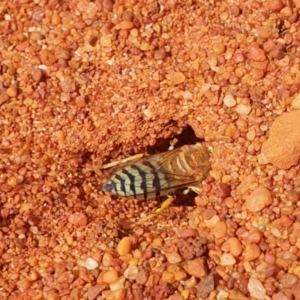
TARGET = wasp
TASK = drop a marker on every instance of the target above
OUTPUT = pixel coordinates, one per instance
(149, 176)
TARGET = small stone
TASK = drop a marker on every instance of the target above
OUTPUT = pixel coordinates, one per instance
(229, 101)
(37, 75)
(110, 276)
(218, 48)
(218, 228)
(258, 199)
(252, 252)
(148, 113)
(105, 41)
(281, 296)
(12, 91)
(117, 295)
(107, 259)
(275, 5)
(47, 57)
(125, 25)
(196, 267)
(160, 54)
(119, 284)
(296, 102)
(234, 246)
(142, 277)
(91, 264)
(205, 286)
(227, 260)
(94, 291)
(256, 289)
(223, 295)
(256, 53)
(187, 232)
(296, 290)
(243, 109)
(176, 78)
(78, 219)
(168, 277)
(264, 32)
(173, 258)
(12, 181)
(124, 246)
(131, 272)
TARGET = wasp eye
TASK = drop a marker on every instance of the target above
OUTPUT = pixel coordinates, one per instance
(108, 187)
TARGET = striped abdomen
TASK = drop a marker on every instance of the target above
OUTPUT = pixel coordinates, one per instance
(160, 174)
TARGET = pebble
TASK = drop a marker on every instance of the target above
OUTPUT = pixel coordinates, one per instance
(107, 259)
(218, 228)
(117, 295)
(131, 272)
(91, 264)
(229, 101)
(258, 199)
(282, 149)
(12, 91)
(126, 25)
(218, 48)
(252, 252)
(78, 219)
(243, 109)
(37, 75)
(168, 277)
(187, 232)
(142, 277)
(227, 259)
(119, 284)
(124, 246)
(296, 290)
(94, 291)
(256, 53)
(173, 258)
(196, 267)
(281, 296)
(110, 276)
(176, 78)
(296, 102)
(256, 289)
(234, 246)
(47, 57)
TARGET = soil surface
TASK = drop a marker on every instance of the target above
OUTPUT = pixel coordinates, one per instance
(84, 83)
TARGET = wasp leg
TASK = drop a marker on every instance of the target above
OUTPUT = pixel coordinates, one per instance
(164, 205)
(194, 189)
(172, 144)
(125, 160)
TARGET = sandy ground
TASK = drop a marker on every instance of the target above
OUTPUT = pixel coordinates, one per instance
(86, 83)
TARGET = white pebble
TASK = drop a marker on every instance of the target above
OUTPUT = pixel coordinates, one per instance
(91, 264)
(119, 284)
(256, 289)
(243, 109)
(148, 113)
(222, 295)
(276, 232)
(131, 272)
(227, 259)
(229, 101)
(187, 95)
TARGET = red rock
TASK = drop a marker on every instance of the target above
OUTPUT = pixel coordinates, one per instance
(282, 149)
(256, 53)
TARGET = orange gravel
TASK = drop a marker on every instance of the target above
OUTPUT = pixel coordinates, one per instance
(84, 83)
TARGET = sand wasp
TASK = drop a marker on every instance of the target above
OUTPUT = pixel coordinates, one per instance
(150, 176)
